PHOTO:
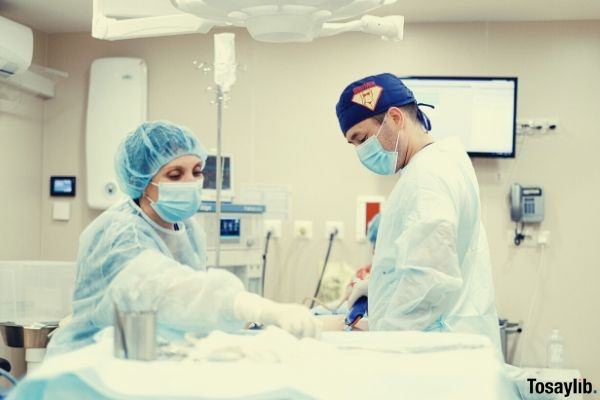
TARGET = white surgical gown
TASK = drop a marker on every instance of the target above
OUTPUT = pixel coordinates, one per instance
(125, 251)
(431, 269)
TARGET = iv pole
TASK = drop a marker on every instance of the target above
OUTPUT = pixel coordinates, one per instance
(224, 73)
(219, 175)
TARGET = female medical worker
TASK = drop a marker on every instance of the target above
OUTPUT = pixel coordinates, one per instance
(431, 269)
(148, 249)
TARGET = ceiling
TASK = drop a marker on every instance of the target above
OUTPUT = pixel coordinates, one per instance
(53, 16)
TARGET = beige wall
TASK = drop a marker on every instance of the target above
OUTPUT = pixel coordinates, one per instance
(21, 137)
(21, 124)
(282, 129)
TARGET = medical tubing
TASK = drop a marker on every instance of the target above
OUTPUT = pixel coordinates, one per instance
(264, 258)
(331, 239)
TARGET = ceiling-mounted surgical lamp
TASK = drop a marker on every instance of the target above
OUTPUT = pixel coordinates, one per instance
(265, 20)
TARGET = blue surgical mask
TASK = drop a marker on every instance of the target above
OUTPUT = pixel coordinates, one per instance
(377, 159)
(177, 201)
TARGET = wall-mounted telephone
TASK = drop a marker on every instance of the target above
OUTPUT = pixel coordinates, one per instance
(526, 206)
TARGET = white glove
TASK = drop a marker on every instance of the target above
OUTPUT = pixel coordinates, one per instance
(360, 288)
(293, 318)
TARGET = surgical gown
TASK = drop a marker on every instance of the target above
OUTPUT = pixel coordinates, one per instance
(125, 251)
(431, 268)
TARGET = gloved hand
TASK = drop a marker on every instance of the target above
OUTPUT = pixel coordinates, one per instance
(360, 288)
(293, 318)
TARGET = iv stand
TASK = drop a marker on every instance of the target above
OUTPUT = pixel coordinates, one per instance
(219, 175)
(224, 67)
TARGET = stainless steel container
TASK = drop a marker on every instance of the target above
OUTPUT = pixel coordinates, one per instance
(507, 328)
(20, 336)
(135, 335)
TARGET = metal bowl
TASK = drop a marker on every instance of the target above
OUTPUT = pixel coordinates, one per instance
(20, 336)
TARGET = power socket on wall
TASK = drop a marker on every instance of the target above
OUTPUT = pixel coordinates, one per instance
(539, 126)
(533, 238)
(303, 230)
(332, 226)
(273, 226)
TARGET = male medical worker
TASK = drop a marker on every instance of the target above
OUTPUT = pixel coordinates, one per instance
(431, 269)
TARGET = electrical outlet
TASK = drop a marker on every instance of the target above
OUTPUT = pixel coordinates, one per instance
(553, 124)
(546, 126)
(303, 230)
(543, 238)
(524, 126)
(533, 238)
(331, 226)
(273, 226)
(539, 126)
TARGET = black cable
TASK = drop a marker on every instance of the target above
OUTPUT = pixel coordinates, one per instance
(264, 257)
(519, 236)
(331, 239)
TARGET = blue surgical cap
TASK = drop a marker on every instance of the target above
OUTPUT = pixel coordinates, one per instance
(143, 152)
(372, 96)
(373, 228)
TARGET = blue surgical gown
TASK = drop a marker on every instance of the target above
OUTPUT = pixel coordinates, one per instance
(124, 251)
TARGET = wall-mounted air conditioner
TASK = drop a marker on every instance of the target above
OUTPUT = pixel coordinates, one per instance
(16, 69)
(16, 47)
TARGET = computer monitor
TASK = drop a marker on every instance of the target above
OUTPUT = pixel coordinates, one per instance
(209, 189)
(481, 111)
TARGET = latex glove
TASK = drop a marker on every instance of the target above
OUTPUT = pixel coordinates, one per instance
(293, 318)
(360, 288)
